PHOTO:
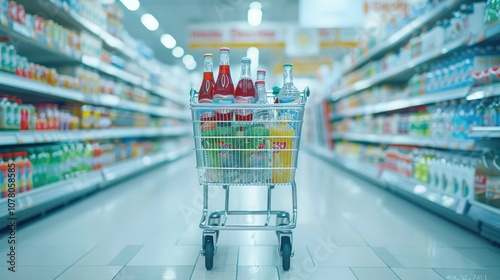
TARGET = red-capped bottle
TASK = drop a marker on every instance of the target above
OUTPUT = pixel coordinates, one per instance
(224, 87)
(245, 91)
(206, 92)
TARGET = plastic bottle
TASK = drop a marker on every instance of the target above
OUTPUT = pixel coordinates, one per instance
(262, 115)
(289, 94)
(258, 153)
(5, 112)
(469, 168)
(261, 75)
(493, 183)
(20, 173)
(224, 87)
(481, 176)
(206, 92)
(245, 91)
(492, 14)
(4, 178)
(28, 172)
(32, 165)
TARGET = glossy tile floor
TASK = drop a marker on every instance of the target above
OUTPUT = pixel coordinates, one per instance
(147, 228)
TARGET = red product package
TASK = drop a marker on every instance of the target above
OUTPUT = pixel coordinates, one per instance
(13, 10)
(21, 15)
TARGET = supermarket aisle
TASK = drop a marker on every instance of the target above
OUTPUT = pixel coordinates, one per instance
(146, 228)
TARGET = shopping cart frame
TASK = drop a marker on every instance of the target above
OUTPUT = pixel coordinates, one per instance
(213, 222)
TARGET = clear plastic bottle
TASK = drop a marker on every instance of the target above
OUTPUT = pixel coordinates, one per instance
(289, 94)
(15, 114)
(5, 112)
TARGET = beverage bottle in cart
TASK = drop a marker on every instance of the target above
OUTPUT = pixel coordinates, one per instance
(261, 75)
(481, 176)
(206, 92)
(257, 146)
(245, 91)
(224, 88)
(493, 183)
(289, 94)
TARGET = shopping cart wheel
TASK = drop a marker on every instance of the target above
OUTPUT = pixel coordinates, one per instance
(209, 252)
(286, 252)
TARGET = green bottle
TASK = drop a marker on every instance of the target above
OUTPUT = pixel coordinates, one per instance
(492, 13)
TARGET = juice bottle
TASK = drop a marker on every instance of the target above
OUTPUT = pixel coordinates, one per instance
(493, 183)
(20, 172)
(4, 179)
(32, 159)
(481, 176)
(5, 111)
(281, 134)
(245, 91)
(209, 142)
(224, 87)
(28, 172)
(206, 92)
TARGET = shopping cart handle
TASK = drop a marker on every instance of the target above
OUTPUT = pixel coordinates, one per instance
(192, 93)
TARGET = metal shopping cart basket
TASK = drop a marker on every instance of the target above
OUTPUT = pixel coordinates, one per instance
(259, 152)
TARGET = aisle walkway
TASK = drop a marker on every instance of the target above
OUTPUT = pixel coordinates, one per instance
(147, 228)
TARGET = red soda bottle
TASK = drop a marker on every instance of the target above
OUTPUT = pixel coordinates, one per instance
(224, 87)
(206, 92)
(245, 91)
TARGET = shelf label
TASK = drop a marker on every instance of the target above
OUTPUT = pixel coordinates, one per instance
(29, 201)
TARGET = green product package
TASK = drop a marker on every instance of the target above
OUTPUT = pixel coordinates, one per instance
(209, 143)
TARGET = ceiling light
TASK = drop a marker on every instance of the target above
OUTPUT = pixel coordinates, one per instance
(168, 41)
(256, 5)
(187, 59)
(178, 52)
(191, 65)
(254, 17)
(132, 5)
(150, 22)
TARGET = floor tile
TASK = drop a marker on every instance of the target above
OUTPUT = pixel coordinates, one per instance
(168, 255)
(466, 273)
(307, 272)
(495, 270)
(259, 256)
(90, 272)
(369, 273)
(257, 273)
(39, 272)
(112, 254)
(417, 274)
(346, 257)
(482, 256)
(432, 258)
(224, 266)
(155, 272)
(50, 255)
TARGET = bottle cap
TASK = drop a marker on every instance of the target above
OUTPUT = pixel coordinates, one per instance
(260, 82)
(208, 55)
(246, 59)
(261, 71)
(287, 65)
(226, 49)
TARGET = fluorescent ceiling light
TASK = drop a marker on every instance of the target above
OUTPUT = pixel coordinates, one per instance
(168, 41)
(187, 59)
(254, 17)
(178, 52)
(256, 5)
(132, 5)
(191, 65)
(150, 22)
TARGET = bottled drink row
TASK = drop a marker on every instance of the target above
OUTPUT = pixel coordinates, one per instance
(446, 120)
(241, 145)
(461, 175)
(37, 166)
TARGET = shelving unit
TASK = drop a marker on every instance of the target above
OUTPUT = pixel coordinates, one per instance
(404, 33)
(44, 198)
(36, 137)
(476, 216)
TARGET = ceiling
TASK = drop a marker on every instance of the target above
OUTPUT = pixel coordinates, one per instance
(175, 16)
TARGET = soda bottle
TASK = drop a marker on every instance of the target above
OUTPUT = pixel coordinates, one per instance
(289, 94)
(206, 92)
(245, 91)
(261, 75)
(481, 176)
(493, 183)
(261, 115)
(224, 87)
(20, 173)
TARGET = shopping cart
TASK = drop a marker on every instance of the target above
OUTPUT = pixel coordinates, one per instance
(260, 152)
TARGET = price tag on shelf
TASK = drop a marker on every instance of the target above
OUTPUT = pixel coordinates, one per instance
(461, 206)
(29, 202)
(47, 137)
(21, 204)
(55, 136)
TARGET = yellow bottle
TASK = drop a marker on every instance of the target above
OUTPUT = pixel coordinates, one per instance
(281, 135)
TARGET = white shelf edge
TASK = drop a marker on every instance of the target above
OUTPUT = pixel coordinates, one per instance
(383, 76)
(35, 137)
(402, 33)
(89, 181)
(453, 144)
(486, 131)
(485, 213)
(412, 101)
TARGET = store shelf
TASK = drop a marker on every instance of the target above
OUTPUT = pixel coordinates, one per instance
(420, 141)
(36, 47)
(403, 103)
(46, 197)
(74, 21)
(394, 41)
(484, 92)
(35, 137)
(485, 213)
(97, 64)
(486, 131)
(398, 74)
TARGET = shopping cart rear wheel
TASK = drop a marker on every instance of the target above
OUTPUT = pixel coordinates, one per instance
(209, 253)
(286, 252)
